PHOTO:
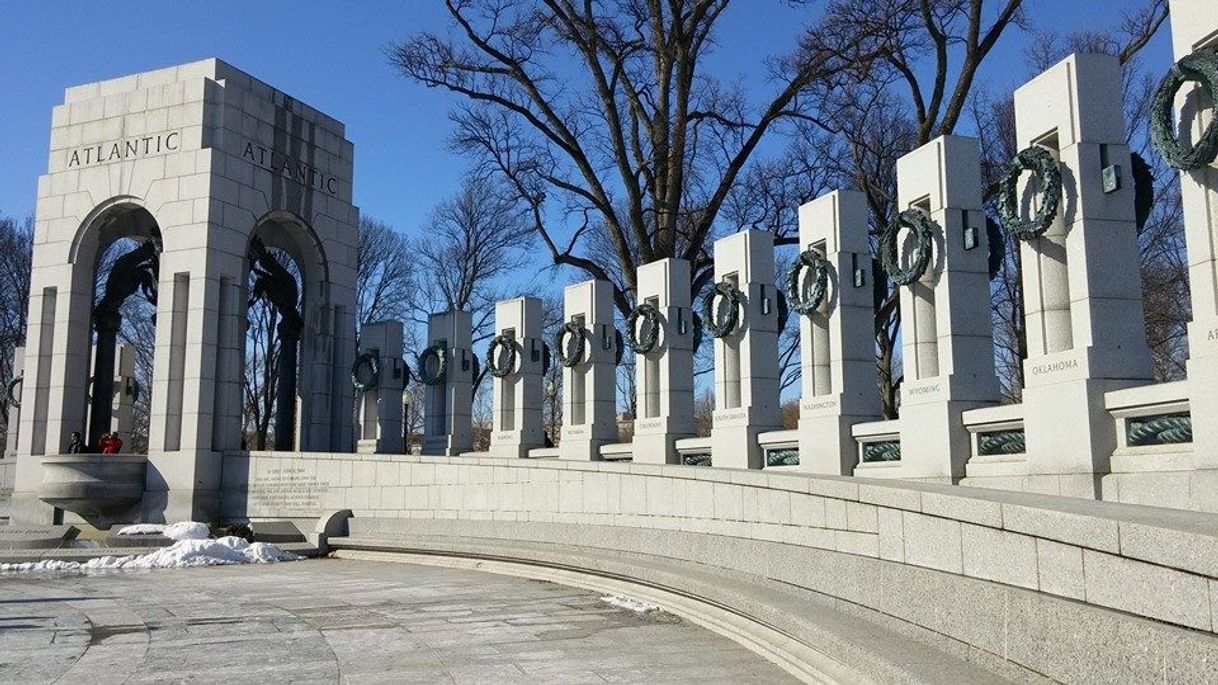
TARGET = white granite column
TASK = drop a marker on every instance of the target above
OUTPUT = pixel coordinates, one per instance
(1194, 25)
(183, 475)
(588, 384)
(947, 338)
(837, 339)
(448, 402)
(517, 425)
(746, 358)
(380, 407)
(1081, 279)
(664, 376)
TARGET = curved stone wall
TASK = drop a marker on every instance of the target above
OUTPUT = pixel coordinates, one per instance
(1064, 588)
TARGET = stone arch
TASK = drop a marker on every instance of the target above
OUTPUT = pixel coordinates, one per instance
(103, 225)
(92, 366)
(286, 231)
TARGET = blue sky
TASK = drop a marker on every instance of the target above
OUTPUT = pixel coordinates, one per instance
(330, 55)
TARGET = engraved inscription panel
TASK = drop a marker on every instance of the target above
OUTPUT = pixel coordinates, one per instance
(287, 490)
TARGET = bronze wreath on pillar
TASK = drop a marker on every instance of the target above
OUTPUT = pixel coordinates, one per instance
(576, 331)
(1041, 163)
(492, 356)
(1201, 66)
(917, 220)
(643, 341)
(439, 350)
(803, 299)
(367, 382)
(14, 395)
(710, 314)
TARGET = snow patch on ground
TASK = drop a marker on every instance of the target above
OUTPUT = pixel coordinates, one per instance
(142, 529)
(183, 530)
(629, 604)
(181, 554)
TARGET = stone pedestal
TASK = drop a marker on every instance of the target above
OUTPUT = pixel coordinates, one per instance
(517, 426)
(947, 338)
(837, 340)
(126, 389)
(1082, 291)
(746, 359)
(589, 387)
(1194, 25)
(14, 410)
(380, 408)
(448, 409)
(664, 377)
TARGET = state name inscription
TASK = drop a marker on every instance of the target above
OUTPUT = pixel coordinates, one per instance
(287, 489)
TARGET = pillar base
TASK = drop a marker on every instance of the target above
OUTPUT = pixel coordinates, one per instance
(826, 445)
(379, 446)
(1203, 391)
(445, 446)
(657, 447)
(512, 445)
(734, 439)
(1068, 428)
(935, 446)
(581, 450)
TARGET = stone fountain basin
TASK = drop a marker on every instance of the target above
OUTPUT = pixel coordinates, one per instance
(93, 485)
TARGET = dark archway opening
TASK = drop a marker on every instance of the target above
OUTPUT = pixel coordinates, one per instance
(272, 345)
(123, 312)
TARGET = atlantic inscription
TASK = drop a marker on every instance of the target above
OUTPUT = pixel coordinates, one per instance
(290, 168)
(124, 149)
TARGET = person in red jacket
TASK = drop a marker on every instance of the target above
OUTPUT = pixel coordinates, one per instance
(110, 443)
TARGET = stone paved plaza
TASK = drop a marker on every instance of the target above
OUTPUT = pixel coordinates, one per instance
(348, 621)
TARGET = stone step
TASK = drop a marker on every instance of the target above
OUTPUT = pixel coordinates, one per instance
(809, 623)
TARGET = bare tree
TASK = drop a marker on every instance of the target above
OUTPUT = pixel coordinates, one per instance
(413, 419)
(385, 276)
(471, 243)
(704, 413)
(552, 410)
(139, 332)
(931, 61)
(262, 362)
(921, 87)
(995, 122)
(386, 289)
(261, 369)
(472, 240)
(16, 254)
(641, 144)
